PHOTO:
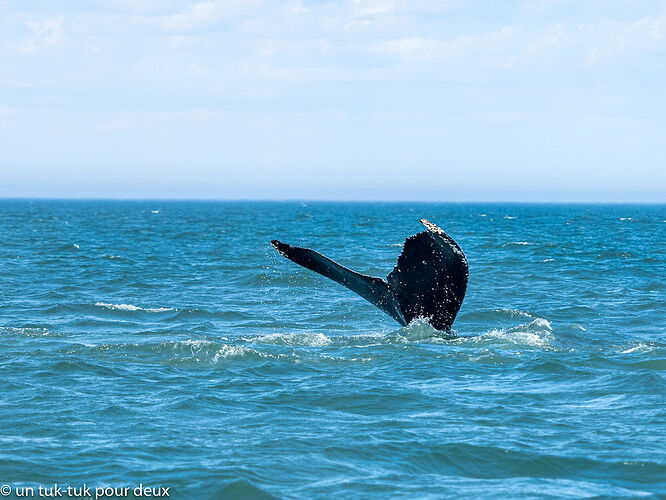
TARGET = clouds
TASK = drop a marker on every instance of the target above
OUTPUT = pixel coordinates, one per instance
(318, 83)
(486, 44)
(611, 40)
(41, 34)
(202, 15)
(254, 46)
(353, 34)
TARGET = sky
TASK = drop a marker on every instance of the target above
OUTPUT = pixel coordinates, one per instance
(449, 100)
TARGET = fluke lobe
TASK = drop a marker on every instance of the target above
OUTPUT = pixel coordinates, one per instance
(429, 281)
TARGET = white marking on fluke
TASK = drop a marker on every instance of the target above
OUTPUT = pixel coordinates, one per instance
(432, 227)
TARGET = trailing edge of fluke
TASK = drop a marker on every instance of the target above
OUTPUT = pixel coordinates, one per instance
(429, 281)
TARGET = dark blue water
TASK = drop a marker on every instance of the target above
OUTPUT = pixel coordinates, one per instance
(167, 344)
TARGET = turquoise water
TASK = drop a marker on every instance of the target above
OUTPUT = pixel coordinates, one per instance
(167, 344)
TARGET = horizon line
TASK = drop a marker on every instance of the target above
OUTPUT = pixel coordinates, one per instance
(331, 200)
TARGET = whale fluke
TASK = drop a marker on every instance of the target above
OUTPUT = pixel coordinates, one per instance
(429, 281)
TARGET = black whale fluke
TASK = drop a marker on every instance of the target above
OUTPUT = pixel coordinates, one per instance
(429, 281)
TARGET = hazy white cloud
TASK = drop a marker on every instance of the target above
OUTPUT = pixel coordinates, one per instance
(203, 14)
(151, 120)
(366, 8)
(418, 48)
(45, 33)
(611, 40)
(295, 8)
(599, 41)
(367, 12)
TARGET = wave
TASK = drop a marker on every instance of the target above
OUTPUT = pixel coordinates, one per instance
(234, 351)
(294, 339)
(186, 314)
(537, 334)
(242, 488)
(28, 331)
(640, 347)
(70, 247)
(498, 314)
(189, 352)
(131, 307)
(113, 257)
(161, 352)
(516, 243)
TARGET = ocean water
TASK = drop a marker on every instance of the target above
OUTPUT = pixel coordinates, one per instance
(167, 344)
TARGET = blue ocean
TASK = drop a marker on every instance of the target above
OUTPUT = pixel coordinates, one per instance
(166, 344)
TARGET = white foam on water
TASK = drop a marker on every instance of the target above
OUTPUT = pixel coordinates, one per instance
(540, 324)
(509, 217)
(417, 330)
(640, 347)
(196, 343)
(519, 338)
(515, 313)
(535, 334)
(295, 339)
(130, 307)
(207, 351)
(232, 351)
(27, 331)
(362, 360)
(364, 340)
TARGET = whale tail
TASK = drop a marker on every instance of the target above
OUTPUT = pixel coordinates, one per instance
(429, 281)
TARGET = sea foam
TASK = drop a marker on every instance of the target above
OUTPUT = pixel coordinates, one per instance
(131, 307)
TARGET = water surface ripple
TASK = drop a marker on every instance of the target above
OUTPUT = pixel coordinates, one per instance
(166, 343)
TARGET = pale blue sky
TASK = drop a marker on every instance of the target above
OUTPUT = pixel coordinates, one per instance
(542, 100)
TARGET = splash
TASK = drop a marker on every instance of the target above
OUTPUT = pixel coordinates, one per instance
(419, 330)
